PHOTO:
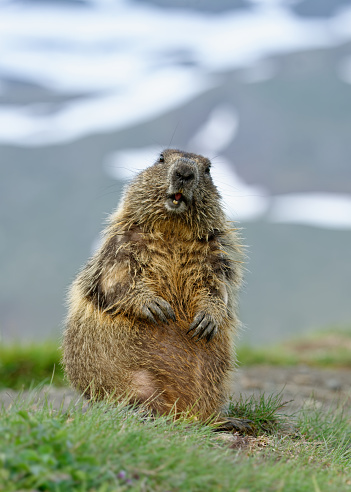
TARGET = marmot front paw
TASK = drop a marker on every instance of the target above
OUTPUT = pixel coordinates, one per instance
(158, 308)
(204, 326)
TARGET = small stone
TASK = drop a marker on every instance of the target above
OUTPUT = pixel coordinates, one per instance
(333, 384)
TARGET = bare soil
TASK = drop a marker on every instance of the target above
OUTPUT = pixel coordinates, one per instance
(300, 385)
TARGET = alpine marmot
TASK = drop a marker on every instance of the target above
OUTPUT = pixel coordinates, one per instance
(152, 315)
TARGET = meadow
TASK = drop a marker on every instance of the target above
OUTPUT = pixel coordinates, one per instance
(109, 447)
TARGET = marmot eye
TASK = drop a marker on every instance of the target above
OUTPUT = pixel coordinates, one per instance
(161, 158)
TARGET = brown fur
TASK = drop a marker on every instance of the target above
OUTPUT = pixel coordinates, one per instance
(153, 252)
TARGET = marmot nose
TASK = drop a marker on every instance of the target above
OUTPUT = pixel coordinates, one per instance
(184, 171)
(185, 175)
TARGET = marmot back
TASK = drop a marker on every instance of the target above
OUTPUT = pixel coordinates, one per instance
(152, 316)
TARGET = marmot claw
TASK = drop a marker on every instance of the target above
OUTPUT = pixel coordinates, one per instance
(203, 326)
(158, 308)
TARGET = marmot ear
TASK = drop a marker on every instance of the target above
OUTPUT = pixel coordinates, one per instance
(161, 158)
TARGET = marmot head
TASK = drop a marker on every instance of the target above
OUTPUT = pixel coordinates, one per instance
(185, 172)
(177, 188)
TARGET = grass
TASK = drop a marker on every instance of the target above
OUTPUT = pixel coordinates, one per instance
(24, 365)
(31, 364)
(105, 447)
(262, 411)
(111, 448)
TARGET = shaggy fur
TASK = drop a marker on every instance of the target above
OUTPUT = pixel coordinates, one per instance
(153, 313)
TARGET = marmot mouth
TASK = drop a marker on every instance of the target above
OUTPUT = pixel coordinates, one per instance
(177, 201)
(176, 198)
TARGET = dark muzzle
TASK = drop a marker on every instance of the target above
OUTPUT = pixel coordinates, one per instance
(184, 174)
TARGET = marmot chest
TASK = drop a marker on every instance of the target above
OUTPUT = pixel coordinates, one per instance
(180, 269)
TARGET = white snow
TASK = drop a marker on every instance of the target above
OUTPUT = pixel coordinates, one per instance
(317, 209)
(129, 58)
(217, 132)
(133, 61)
(139, 102)
(126, 163)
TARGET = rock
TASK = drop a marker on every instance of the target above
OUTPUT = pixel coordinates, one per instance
(333, 384)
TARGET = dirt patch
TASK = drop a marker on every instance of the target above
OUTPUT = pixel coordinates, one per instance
(301, 384)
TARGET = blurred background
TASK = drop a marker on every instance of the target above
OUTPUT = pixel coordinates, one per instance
(91, 91)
